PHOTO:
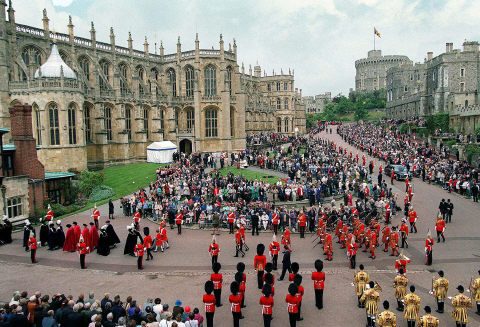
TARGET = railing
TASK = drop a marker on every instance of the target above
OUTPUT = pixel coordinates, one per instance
(207, 52)
(60, 37)
(122, 50)
(42, 84)
(82, 41)
(188, 54)
(104, 46)
(229, 55)
(138, 53)
(29, 30)
(466, 111)
(170, 57)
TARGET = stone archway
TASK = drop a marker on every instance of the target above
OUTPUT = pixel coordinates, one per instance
(186, 146)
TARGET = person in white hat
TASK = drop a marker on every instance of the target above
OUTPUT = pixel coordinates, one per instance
(32, 245)
(82, 249)
(50, 215)
(214, 250)
(27, 229)
(96, 216)
(274, 249)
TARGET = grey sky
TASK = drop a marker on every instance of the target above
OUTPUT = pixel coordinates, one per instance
(320, 39)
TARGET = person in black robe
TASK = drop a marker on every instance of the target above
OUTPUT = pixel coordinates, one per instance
(52, 242)
(112, 237)
(103, 247)
(4, 231)
(131, 241)
(43, 234)
(59, 236)
(27, 229)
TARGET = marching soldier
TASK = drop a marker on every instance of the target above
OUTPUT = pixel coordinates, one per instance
(428, 320)
(404, 233)
(32, 245)
(400, 284)
(387, 318)
(96, 215)
(327, 247)
(82, 249)
(286, 237)
(460, 304)
(274, 249)
(352, 251)
(386, 237)
(429, 249)
(302, 224)
(139, 252)
(217, 280)
(214, 250)
(231, 221)
(440, 228)
(475, 286)
(401, 263)
(360, 280)
(209, 301)
(393, 241)
(238, 243)
(440, 289)
(373, 244)
(259, 262)
(371, 298)
(318, 278)
(412, 307)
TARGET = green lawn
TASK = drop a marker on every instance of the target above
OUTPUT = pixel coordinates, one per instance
(376, 115)
(126, 179)
(248, 174)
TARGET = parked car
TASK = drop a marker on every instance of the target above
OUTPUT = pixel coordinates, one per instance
(401, 172)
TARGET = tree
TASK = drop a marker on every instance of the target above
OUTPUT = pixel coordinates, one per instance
(360, 114)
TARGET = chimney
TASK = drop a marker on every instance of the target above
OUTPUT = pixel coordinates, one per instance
(25, 160)
(447, 47)
(429, 55)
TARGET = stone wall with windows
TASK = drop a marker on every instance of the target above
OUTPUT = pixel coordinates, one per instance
(16, 198)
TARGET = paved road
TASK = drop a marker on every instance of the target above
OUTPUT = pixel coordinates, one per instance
(183, 269)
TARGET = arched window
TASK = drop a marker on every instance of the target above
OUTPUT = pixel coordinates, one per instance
(141, 79)
(285, 103)
(31, 56)
(228, 80)
(211, 123)
(105, 75)
(72, 124)
(38, 124)
(279, 124)
(123, 70)
(128, 122)
(210, 81)
(286, 122)
(190, 119)
(87, 123)
(84, 65)
(189, 81)
(54, 126)
(107, 116)
(278, 86)
(172, 79)
(145, 114)
(279, 104)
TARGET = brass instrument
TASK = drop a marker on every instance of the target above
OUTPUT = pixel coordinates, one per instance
(377, 287)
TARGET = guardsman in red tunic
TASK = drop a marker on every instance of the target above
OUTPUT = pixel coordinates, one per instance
(300, 291)
(163, 233)
(440, 228)
(401, 263)
(238, 243)
(96, 216)
(148, 243)
(292, 304)
(393, 242)
(338, 229)
(137, 217)
(302, 224)
(286, 238)
(327, 247)
(352, 252)
(385, 237)
(404, 233)
(266, 301)
(295, 267)
(367, 239)
(275, 222)
(179, 221)
(242, 234)
(82, 249)
(274, 249)
(231, 221)
(50, 215)
(32, 245)
(343, 237)
(372, 244)
(139, 252)
(318, 278)
(217, 280)
(387, 212)
(209, 302)
(412, 218)
(236, 303)
(214, 250)
(242, 285)
(259, 262)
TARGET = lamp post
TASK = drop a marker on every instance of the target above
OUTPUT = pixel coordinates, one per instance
(3, 189)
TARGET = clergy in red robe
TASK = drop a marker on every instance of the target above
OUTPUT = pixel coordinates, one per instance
(93, 236)
(70, 244)
(77, 231)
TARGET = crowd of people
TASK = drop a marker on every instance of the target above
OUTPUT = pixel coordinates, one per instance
(423, 160)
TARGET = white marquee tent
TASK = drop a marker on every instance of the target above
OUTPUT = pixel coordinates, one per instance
(161, 152)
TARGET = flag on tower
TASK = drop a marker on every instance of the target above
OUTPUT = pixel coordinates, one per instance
(376, 32)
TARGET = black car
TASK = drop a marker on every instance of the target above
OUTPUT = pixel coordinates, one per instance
(401, 172)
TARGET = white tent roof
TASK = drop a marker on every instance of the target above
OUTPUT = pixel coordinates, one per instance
(162, 146)
(55, 66)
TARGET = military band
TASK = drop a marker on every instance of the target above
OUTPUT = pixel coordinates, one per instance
(427, 320)
(412, 307)
(440, 289)
(371, 298)
(400, 284)
(461, 303)
(387, 318)
(360, 280)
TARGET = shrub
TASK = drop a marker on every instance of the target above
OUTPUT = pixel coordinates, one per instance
(89, 180)
(101, 192)
(472, 151)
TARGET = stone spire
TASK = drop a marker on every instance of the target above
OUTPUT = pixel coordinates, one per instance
(130, 41)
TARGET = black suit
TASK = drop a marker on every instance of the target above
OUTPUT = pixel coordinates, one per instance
(286, 263)
(74, 319)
